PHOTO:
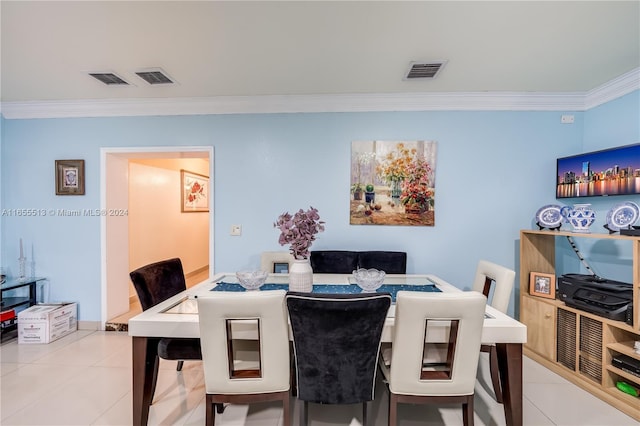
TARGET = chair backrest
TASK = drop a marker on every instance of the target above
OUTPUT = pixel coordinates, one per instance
(488, 273)
(392, 262)
(333, 261)
(269, 260)
(219, 314)
(156, 282)
(453, 318)
(336, 341)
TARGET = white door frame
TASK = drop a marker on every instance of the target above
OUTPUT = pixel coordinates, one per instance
(141, 152)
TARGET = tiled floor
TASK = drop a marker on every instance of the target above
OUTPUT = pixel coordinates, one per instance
(85, 379)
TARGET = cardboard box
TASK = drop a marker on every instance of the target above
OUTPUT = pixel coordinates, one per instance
(45, 323)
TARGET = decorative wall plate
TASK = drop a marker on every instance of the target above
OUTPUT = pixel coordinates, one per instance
(549, 216)
(622, 216)
(634, 206)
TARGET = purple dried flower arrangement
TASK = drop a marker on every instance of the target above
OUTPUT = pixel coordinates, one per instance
(299, 231)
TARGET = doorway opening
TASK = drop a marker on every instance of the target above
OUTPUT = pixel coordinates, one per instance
(145, 183)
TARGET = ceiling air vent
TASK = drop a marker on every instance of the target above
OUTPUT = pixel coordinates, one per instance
(108, 78)
(156, 76)
(424, 69)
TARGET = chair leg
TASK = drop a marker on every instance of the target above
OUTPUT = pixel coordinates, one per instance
(365, 412)
(495, 376)
(304, 413)
(210, 414)
(286, 411)
(220, 408)
(180, 364)
(467, 411)
(154, 379)
(393, 409)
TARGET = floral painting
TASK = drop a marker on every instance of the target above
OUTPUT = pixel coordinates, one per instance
(194, 191)
(393, 183)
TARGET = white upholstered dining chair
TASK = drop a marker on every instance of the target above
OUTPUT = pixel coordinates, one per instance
(423, 320)
(490, 275)
(258, 372)
(270, 259)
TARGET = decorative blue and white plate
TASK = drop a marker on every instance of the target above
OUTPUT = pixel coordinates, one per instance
(634, 206)
(549, 216)
(622, 216)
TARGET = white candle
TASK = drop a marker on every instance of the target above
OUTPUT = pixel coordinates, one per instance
(21, 253)
(33, 257)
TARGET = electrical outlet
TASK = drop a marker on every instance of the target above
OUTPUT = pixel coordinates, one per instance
(567, 119)
(236, 230)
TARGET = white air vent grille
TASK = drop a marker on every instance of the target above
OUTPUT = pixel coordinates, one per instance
(108, 78)
(154, 77)
(424, 69)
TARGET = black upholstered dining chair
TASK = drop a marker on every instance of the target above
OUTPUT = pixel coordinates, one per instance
(336, 342)
(155, 283)
(333, 261)
(391, 262)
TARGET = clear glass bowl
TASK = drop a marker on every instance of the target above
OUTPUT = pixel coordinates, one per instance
(369, 280)
(251, 280)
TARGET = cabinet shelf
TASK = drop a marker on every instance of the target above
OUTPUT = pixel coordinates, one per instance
(14, 301)
(628, 376)
(623, 397)
(576, 344)
(625, 348)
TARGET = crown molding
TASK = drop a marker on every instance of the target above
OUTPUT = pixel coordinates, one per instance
(616, 88)
(380, 102)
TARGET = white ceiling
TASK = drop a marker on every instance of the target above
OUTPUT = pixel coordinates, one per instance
(238, 48)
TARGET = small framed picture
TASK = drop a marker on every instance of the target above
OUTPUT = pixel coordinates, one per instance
(542, 285)
(194, 190)
(69, 177)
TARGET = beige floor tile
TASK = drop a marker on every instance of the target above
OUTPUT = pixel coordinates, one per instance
(85, 379)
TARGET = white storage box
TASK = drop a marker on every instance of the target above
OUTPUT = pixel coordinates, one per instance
(47, 322)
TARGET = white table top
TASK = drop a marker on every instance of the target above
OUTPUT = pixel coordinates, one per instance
(178, 315)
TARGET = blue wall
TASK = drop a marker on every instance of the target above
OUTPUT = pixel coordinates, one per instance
(612, 124)
(494, 170)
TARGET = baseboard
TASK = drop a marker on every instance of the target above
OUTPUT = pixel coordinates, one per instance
(89, 325)
(197, 271)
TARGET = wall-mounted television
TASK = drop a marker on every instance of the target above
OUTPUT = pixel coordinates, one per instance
(614, 171)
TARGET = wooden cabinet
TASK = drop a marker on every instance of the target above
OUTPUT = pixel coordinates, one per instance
(576, 344)
(540, 318)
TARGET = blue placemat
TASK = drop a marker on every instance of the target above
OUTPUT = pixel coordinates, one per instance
(334, 288)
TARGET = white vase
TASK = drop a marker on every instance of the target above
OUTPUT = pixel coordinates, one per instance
(301, 276)
(581, 217)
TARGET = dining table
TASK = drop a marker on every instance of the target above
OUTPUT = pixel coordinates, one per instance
(178, 317)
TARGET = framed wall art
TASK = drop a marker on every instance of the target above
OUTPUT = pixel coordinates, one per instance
(69, 177)
(194, 192)
(542, 285)
(393, 183)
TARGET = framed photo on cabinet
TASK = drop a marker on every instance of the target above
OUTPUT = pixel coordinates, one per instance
(542, 285)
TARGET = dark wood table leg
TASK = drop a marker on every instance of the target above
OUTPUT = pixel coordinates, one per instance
(510, 364)
(145, 357)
